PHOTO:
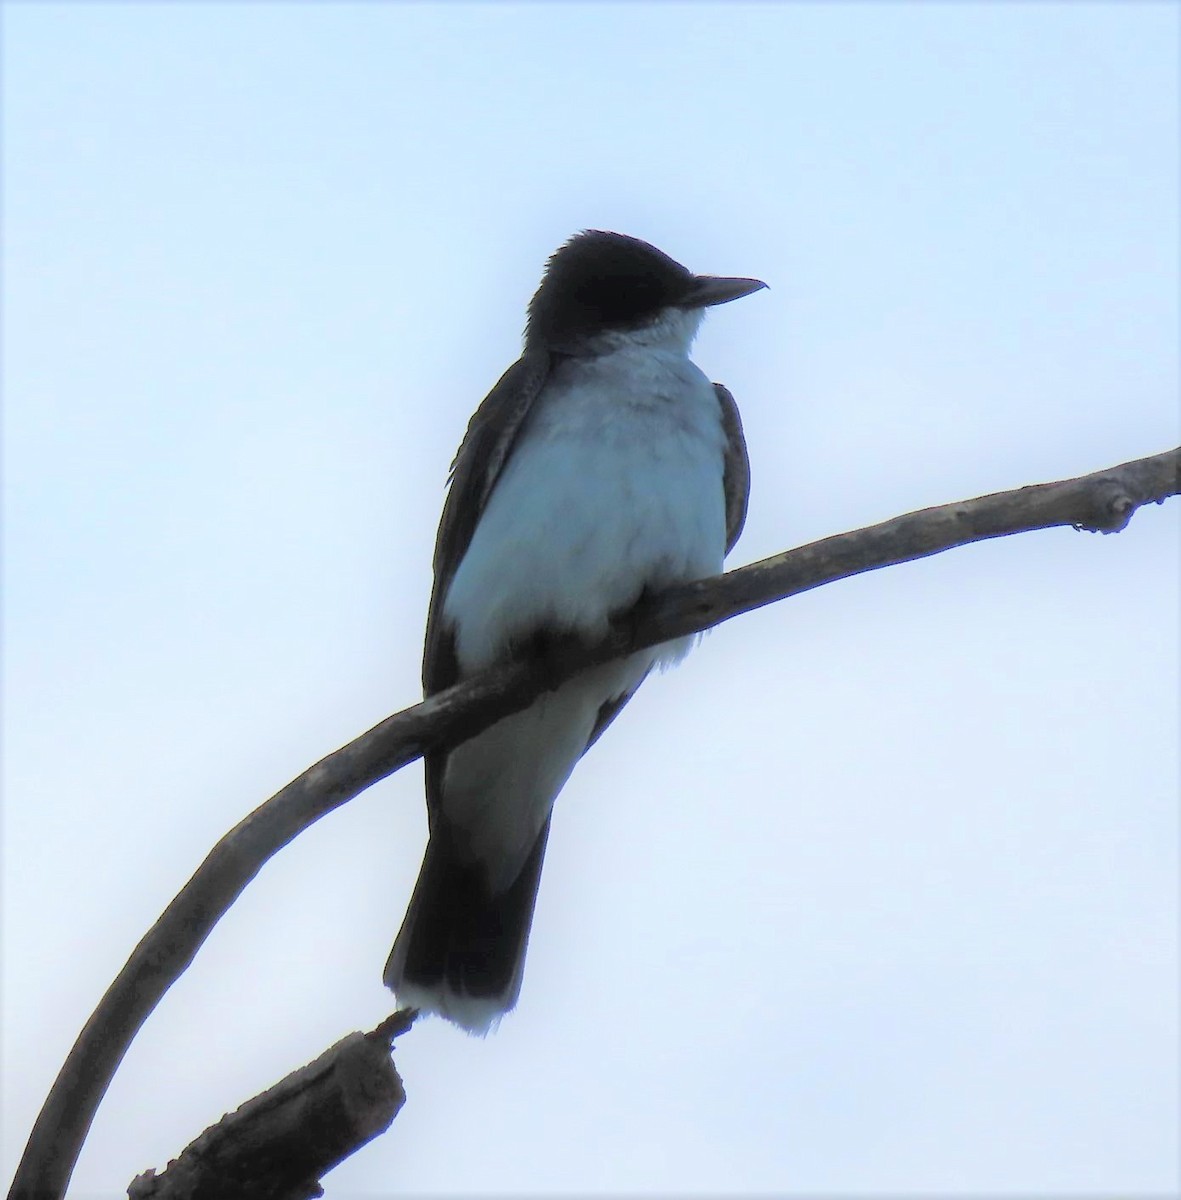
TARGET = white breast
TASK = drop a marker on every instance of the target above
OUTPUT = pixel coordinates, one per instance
(615, 486)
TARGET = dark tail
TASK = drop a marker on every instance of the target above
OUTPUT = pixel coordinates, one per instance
(461, 949)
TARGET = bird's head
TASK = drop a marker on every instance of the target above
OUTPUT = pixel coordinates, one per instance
(601, 282)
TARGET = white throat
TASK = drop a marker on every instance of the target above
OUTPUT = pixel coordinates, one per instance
(672, 332)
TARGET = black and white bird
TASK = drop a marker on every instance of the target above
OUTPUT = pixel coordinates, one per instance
(603, 465)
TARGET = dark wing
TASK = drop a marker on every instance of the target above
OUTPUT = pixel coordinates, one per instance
(736, 488)
(490, 436)
(736, 470)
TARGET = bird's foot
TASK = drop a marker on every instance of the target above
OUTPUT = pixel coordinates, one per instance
(556, 655)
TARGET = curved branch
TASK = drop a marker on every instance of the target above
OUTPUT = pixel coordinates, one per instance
(1103, 501)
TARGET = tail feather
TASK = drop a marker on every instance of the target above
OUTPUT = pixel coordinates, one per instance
(461, 949)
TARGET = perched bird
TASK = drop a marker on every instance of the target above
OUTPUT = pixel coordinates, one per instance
(601, 466)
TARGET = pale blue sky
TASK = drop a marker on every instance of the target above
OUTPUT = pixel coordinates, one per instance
(878, 892)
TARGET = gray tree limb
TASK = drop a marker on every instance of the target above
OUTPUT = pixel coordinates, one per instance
(1101, 502)
(278, 1145)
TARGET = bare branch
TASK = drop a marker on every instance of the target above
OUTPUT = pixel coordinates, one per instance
(1103, 501)
(278, 1145)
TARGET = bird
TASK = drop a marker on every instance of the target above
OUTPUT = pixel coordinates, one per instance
(603, 466)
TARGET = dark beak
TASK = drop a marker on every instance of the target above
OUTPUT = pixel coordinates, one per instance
(704, 291)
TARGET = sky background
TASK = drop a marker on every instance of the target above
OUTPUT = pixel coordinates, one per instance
(877, 893)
